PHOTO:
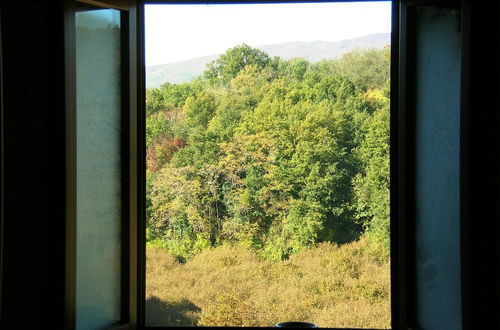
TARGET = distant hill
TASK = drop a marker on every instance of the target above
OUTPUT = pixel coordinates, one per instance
(313, 51)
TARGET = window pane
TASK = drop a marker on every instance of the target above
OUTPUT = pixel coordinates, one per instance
(98, 168)
(437, 162)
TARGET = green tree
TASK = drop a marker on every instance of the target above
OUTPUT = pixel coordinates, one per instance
(184, 209)
(199, 109)
(246, 91)
(366, 68)
(157, 126)
(271, 154)
(228, 65)
(154, 101)
(174, 95)
(372, 185)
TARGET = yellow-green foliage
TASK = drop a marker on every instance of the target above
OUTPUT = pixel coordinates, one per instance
(274, 154)
(330, 285)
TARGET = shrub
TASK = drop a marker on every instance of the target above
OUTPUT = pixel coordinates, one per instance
(328, 284)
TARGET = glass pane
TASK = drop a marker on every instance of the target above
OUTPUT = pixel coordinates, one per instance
(267, 135)
(437, 163)
(98, 168)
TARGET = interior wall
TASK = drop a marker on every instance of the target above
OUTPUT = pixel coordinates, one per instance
(33, 130)
(480, 172)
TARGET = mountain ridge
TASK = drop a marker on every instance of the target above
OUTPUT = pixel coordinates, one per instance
(312, 51)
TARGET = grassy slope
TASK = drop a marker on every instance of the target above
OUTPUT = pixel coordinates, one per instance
(332, 286)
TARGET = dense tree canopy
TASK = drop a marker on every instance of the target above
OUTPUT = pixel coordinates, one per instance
(271, 154)
(229, 65)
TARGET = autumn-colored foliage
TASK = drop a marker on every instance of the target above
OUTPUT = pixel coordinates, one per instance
(330, 285)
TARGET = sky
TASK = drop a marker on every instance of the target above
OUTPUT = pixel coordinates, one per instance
(181, 32)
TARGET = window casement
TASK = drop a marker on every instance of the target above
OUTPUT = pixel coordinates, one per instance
(102, 149)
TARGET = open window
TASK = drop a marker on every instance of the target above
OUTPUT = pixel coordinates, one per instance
(267, 164)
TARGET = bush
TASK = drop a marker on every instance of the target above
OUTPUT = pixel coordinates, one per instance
(328, 284)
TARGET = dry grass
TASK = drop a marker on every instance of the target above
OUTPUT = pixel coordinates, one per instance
(332, 286)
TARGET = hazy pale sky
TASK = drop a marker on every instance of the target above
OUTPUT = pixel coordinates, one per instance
(181, 32)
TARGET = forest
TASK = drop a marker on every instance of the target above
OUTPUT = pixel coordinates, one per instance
(267, 160)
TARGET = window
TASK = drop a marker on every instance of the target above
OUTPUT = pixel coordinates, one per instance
(261, 159)
(431, 42)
